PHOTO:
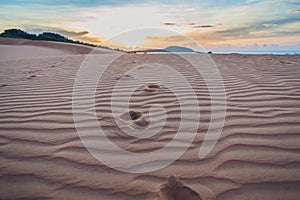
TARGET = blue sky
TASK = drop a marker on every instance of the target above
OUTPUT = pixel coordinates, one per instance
(215, 24)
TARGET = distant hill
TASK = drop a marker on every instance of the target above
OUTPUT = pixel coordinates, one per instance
(172, 49)
(178, 49)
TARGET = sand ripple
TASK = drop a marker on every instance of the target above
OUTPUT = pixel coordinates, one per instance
(257, 156)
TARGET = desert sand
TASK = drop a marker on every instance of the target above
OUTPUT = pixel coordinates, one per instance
(42, 157)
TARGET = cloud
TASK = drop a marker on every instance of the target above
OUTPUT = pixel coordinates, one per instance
(66, 32)
(292, 2)
(80, 35)
(195, 25)
(235, 35)
(90, 39)
(72, 34)
(233, 32)
(252, 1)
(203, 26)
(294, 10)
(170, 24)
(270, 25)
(192, 25)
(283, 20)
(162, 42)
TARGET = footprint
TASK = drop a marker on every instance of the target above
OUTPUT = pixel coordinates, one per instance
(136, 117)
(3, 85)
(31, 76)
(284, 62)
(174, 189)
(151, 87)
(33, 71)
(124, 77)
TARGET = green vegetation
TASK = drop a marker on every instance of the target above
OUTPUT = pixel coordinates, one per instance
(17, 33)
(53, 37)
(47, 36)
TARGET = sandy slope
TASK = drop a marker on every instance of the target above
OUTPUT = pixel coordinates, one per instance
(20, 48)
(257, 156)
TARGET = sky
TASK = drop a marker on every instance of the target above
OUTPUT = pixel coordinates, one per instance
(250, 25)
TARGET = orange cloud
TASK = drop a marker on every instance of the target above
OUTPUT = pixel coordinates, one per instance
(70, 33)
(82, 36)
(89, 39)
(162, 42)
(114, 44)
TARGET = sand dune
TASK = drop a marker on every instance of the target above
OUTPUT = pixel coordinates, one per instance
(42, 157)
(12, 48)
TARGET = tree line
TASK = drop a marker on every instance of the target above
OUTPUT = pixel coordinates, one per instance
(48, 36)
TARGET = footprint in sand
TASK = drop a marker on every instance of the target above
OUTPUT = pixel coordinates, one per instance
(33, 71)
(31, 76)
(151, 87)
(174, 189)
(137, 118)
(284, 62)
(51, 66)
(3, 85)
(126, 76)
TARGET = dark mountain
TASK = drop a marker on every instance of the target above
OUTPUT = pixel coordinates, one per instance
(177, 49)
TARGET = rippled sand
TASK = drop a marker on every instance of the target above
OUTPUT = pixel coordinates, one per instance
(42, 157)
